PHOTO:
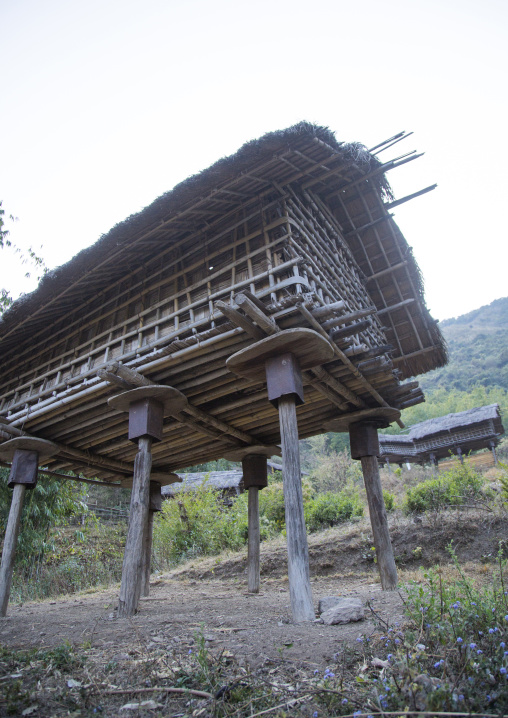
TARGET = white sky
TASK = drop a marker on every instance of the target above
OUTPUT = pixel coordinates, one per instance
(106, 104)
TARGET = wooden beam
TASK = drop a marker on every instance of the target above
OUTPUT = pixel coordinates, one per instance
(134, 378)
(395, 203)
(386, 271)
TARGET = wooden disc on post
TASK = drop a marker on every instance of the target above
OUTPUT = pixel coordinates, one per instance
(44, 448)
(172, 400)
(255, 450)
(164, 479)
(385, 415)
(309, 347)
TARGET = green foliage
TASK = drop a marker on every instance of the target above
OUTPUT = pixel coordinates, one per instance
(30, 258)
(333, 472)
(455, 487)
(51, 504)
(330, 509)
(389, 500)
(478, 348)
(503, 479)
(456, 656)
(271, 506)
(198, 524)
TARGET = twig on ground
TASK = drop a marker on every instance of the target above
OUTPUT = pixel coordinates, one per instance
(378, 617)
(159, 689)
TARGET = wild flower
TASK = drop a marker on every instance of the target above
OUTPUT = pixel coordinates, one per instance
(502, 670)
(344, 701)
(459, 640)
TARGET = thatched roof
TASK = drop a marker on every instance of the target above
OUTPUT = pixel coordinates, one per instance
(441, 424)
(273, 160)
(469, 430)
(218, 480)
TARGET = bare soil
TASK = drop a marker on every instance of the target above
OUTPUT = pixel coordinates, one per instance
(209, 597)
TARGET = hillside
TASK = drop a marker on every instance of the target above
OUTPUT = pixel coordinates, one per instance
(478, 348)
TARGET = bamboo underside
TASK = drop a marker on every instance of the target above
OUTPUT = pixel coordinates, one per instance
(302, 246)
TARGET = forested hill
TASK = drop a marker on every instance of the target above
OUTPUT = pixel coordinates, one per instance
(477, 373)
(478, 348)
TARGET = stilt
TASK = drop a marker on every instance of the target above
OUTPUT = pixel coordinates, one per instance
(433, 462)
(9, 549)
(26, 455)
(255, 478)
(460, 455)
(147, 407)
(154, 504)
(365, 446)
(493, 449)
(280, 358)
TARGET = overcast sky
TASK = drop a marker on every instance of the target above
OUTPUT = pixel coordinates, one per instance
(106, 104)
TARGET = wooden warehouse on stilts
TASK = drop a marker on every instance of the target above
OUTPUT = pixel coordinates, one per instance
(267, 299)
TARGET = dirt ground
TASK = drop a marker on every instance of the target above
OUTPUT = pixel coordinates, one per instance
(211, 593)
(209, 597)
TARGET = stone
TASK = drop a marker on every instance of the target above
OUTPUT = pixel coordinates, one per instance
(328, 602)
(345, 611)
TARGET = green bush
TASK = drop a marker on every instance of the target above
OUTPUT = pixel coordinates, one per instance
(389, 500)
(80, 559)
(330, 509)
(198, 524)
(457, 486)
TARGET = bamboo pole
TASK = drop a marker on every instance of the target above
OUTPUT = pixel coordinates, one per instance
(9, 549)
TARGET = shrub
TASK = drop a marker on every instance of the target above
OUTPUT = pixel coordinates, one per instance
(330, 509)
(271, 507)
(198, 524)
(335, 471)
(452, 488)
(389, 500)
(89, 557)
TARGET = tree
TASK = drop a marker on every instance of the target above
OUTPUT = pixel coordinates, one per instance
(30, 257)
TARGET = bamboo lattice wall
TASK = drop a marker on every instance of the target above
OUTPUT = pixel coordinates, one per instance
(294, 222)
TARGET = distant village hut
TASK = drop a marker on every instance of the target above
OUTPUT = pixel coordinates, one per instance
(454, 434)
(251, 305)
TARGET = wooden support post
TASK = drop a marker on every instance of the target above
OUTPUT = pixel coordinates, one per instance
(283, 355)
(9, 549)
(253, 571)
(130, 589)
(255, 477)
(460, 455)
(26, 454)
(298, 551)
(147, 405)
(154, 504)
(433, 462)
(493, 449)
(365, 446)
